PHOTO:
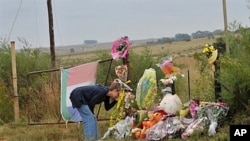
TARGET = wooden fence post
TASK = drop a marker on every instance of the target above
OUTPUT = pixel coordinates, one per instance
(14, 78)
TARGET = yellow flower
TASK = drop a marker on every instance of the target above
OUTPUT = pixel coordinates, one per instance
(208, 49)
(117, 113)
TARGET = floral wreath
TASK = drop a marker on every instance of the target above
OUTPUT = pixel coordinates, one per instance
(120, 48)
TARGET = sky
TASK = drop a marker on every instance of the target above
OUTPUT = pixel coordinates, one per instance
(107, 20)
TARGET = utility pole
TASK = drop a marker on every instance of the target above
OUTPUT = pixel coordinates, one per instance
(225, 24)
(51, 34)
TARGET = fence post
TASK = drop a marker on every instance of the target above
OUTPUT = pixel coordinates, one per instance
(14, 78)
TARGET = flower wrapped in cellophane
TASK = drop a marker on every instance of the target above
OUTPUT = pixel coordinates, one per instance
(147, 90)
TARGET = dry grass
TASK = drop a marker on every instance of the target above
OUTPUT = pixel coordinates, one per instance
(176, 49)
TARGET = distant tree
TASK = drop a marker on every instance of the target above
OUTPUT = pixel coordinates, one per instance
(202, 34)
(150, 42)
(169, 40)
(90, 42)
(162, 41)
(182, 37)
(159, 41)
(218, 32)
(72, 50)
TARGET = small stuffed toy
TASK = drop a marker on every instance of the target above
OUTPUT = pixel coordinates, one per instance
(150, 121)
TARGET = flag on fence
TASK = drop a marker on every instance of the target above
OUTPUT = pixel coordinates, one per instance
(71, 78)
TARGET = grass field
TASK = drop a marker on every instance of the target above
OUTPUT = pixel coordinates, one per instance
(176, 49)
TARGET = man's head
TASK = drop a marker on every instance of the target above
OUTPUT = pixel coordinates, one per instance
(114, 90)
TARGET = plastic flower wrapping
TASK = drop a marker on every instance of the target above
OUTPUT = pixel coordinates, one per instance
(167, 67)
(120, 48)
(128, 119)
(121, 72)
(147, 89)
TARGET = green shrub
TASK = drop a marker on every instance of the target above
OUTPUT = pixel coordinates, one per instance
(6, 110)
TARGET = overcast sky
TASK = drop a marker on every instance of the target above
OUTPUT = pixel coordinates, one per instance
(107, 20)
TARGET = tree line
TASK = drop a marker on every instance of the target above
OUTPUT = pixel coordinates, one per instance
(186, 37)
